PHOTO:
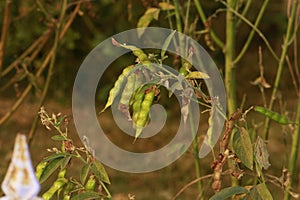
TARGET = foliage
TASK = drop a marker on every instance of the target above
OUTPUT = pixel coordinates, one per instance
(40, 39)
(92, 181)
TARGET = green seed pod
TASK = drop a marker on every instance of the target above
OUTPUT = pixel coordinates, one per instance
(143, 115)
(128, 90)
(67, 197)
(90, 184)
(62, 173)
(117, 86)
(136, 107)
(40, 169)
(281, 119)
(57, 185)
(183, 71)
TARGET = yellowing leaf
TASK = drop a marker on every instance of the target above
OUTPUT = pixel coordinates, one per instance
(261, 153)
(166, 6)
(197, 75)
(145, 20)
(263, 191)
(243, 147)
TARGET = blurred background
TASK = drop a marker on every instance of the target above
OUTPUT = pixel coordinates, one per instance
(33, 21)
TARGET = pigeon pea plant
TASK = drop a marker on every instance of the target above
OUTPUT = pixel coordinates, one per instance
(93, 180)
(241, 147)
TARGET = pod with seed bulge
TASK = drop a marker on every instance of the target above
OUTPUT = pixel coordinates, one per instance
(143, 115)
(281, 119)
(117, 86)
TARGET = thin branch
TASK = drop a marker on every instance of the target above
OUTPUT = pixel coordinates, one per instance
(4, 32)
(251, 34)
(288, 62)
(26, 53)
(215, 38)
(227, 172)
(17, 76)
(58, 37)
(254, 28)
(289, 34)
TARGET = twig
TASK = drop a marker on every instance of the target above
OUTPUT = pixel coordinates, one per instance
(30, 59)
(58, 37)
(216, 39)
(15, 106)
(195, 181)
(286, 43)
(261, 35)
(288, 62)
(251, 34)
(4, 32)
(26, 53)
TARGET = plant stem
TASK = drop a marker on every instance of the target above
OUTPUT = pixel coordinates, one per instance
(294, 150)
(58, 37)
(230, 79)
(216, 39)
(196, 153)
(250, 37)
(50, 70)
(286, 44)
(177, 16)
(4, 32)
(261, 35)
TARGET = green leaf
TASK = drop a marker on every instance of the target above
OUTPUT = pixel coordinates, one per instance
(99, 171)
(166, 44)
(50, 168)
(166, 6)
(58, 138)
(145, 20)
(243, 147)
(84, 172)
(228, 192)
(54, 156)
(86, 196)
(65, 161)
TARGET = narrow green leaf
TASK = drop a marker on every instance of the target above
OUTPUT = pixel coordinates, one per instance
(228, 192)
(166, 44)
(86, 196)
(54, 156)
(243, 147)
(50, 168)
(65, 161)
(99, 171)
(60, 120)
(84, 172)
(58, 138)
